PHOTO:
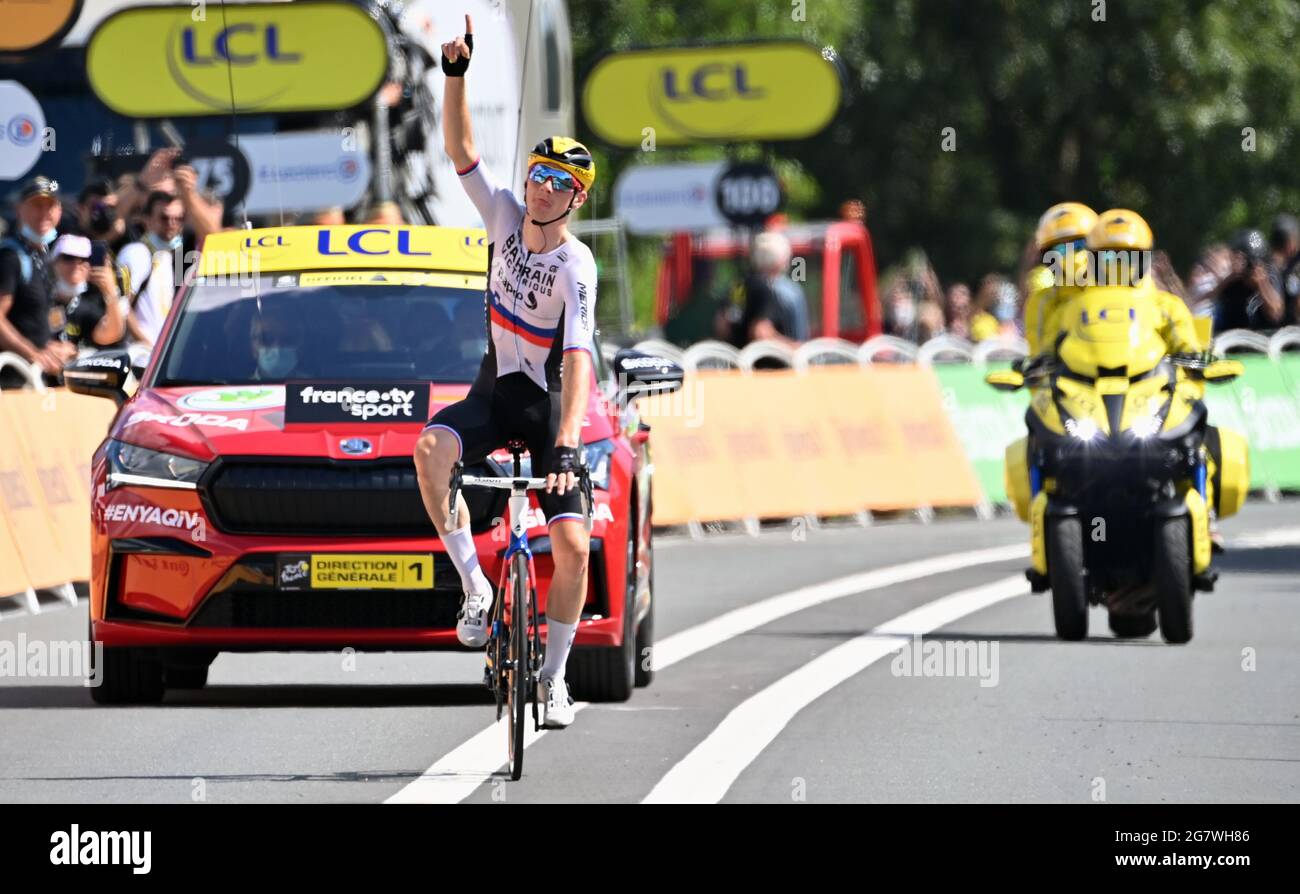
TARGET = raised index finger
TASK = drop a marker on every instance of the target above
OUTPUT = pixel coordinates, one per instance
(469, 24)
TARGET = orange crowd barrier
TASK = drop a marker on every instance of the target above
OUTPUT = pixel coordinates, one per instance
(830, 441)
(46, 444)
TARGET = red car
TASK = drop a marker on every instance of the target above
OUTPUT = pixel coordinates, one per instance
(257, 491)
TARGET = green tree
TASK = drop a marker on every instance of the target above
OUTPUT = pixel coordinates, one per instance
(1143, 105)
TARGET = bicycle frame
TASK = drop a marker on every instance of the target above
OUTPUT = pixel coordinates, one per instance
(508, 632)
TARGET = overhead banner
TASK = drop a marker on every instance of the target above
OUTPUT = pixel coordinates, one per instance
(23, 122)
(157, 62)
(31, 25)
(780, 90)
(654, 199)
(303, 172)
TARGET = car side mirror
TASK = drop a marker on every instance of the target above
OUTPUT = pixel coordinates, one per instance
(1221, 371)
(638, 373)
(100, 375)
(1005, 380)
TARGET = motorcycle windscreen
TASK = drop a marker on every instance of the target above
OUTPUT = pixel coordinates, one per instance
(1110, 329)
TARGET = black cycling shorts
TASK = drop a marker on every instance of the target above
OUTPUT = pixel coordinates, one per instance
(514, 408)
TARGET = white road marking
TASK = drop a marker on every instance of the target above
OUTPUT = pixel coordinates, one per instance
(453, 777)
(705, 775)
(1265, 539)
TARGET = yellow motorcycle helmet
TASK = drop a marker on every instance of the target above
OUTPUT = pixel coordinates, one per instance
(1120, 228)
(1064, 222)
(1120, 243)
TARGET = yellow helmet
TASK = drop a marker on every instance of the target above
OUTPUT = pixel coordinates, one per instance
(1120, 228)
(1065, 222)
(568, 154)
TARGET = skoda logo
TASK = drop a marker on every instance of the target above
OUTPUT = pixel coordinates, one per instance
(355, 446)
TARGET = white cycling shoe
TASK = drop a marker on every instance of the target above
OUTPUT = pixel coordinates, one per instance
(557, 706)
(472, 620)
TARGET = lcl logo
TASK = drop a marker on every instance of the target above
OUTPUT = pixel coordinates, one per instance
(263, 241)
(713, 81)
(263, 38)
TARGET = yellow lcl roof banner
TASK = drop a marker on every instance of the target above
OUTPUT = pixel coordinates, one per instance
(777, 90)
(154, 62)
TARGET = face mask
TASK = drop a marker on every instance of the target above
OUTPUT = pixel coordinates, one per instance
(276, 362)
(159, 245)
(36, 239)
(1005, 308)
(68, 291)
(904, 314)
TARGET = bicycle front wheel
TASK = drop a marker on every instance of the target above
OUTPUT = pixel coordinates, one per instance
(519, 664)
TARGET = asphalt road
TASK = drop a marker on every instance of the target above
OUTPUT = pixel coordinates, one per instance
(781, 680)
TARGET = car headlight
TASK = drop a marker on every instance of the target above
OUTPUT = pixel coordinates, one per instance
(132, 464)
(597, 457)
(1083, 429)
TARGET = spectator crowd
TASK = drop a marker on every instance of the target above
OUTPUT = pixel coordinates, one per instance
(100, 269)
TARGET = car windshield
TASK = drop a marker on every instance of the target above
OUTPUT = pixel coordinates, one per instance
(376, 326)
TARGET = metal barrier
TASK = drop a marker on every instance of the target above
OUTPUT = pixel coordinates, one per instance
(1288, 337)
(765, 350)
(1002, 347)
(887, 344)
(30, 372)
(825, 352)
(942, 346)
(711, 355)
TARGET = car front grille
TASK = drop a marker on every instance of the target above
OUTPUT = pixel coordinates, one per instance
(351, 498)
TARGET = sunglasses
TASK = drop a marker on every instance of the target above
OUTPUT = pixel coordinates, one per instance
(1061, 247)
(561, 180)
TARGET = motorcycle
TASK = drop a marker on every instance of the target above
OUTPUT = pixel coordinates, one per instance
(1120, 470)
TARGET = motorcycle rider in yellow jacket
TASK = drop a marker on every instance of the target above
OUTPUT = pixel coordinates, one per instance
(1120, 247)
(1063, 230)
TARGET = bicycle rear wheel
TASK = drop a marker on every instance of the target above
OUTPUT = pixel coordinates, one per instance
(519, 664)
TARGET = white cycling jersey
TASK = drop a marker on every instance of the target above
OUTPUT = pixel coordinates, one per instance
(540, 304)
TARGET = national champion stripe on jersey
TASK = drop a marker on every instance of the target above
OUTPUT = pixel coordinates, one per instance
(538, 335)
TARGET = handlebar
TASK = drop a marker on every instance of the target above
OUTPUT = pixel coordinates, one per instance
(515, 485)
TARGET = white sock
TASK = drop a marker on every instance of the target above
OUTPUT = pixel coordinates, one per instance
(559, 639)
(460, 546)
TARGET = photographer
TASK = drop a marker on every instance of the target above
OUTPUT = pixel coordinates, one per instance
(1250, 297)
(1285, 242)
(97, 216)
(86, 295)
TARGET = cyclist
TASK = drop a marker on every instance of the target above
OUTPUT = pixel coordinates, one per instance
(1063, 229)
(535, 378)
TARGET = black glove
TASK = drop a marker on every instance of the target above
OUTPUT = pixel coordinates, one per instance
(457, 69)
(565, 459)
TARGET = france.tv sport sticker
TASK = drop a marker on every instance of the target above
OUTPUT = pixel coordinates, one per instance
(382, 402)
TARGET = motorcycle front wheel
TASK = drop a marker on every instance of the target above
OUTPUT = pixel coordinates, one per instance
(1066, 573)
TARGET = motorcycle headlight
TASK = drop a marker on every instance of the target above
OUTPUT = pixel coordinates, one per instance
(1083, 429)
(1146, 426)
(132, 464)
(597, 456)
